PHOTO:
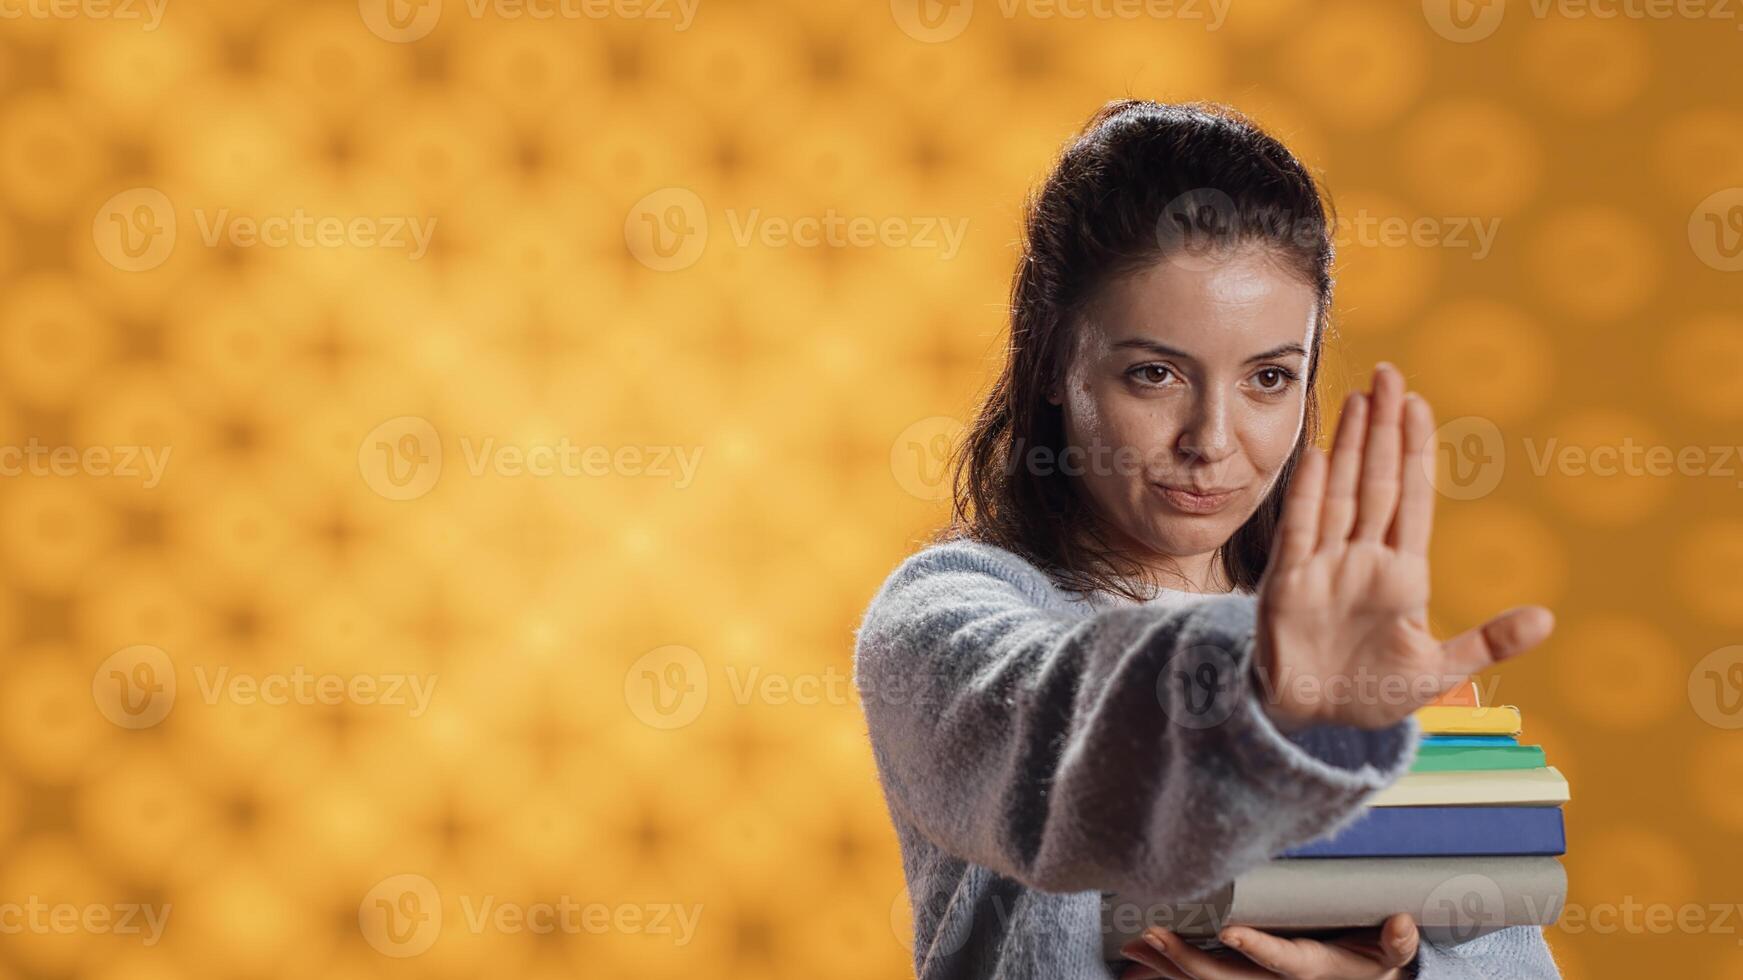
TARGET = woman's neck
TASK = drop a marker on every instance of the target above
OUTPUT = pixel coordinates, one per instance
(1191, 573)
(1182, 573)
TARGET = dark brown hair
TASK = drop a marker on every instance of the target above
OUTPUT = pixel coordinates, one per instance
(1143, 180)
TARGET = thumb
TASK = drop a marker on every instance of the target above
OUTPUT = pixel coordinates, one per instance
(1398, 940)
(1507, 635)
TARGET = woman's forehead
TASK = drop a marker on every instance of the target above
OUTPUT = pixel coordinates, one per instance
(1226, 310)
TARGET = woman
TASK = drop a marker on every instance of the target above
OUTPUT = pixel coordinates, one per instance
(1069, 692)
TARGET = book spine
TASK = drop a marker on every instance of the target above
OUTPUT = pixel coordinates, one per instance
(1457, 758)
(1434, 831)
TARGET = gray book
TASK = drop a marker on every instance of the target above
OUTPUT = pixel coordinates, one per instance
(1452, 899)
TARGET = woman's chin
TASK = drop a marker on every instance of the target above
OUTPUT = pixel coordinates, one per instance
(1200, 538)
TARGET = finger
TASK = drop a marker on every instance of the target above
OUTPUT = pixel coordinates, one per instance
(1398, 941)
(1152, 961)
(1274, 953)
(1507, 635)
(1377, 497)
(1368, 952)
(1141, 969)
(1410, 530)
(1197, 963)
(1338, 514)
(1300, 525)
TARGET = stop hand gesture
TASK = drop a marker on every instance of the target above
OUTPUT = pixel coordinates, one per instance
(1343, 605)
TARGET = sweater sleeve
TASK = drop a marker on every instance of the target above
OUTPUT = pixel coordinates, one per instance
(1123, 750)
(1514, 953)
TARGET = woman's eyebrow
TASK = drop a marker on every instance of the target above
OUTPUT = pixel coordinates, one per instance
(1282, 351)
(1157, 347)
(1153, 346)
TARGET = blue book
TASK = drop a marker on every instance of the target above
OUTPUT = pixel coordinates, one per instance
(1436, 831)
(1470, 740)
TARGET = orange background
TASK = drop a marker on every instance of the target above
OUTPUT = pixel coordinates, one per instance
(602, 728)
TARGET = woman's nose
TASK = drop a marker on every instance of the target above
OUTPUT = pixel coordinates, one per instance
(1206, 437)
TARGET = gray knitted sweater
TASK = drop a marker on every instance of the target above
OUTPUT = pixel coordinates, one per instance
(1035, 751)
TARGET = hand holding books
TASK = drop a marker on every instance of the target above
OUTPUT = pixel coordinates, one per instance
(1378, 953)
(1467, 843)
(1346, 594)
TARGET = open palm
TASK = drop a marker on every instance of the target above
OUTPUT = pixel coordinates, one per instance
(1343, 607)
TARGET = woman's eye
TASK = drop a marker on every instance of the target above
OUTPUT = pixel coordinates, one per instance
(1273, 379)
(1152, 374)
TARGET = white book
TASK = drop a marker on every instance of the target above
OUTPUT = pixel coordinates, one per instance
(1452, 899)
(1542, 786)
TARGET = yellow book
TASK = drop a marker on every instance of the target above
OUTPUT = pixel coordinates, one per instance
(1495, 787)
(1441, 719)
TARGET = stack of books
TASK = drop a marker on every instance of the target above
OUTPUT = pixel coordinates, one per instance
(1467, 842)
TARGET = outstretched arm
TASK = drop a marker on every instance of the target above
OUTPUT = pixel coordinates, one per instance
(1124, 750)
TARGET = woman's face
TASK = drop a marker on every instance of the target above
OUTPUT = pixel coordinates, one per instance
(1184, 396)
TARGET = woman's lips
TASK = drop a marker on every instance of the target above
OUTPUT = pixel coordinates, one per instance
(1195, 503)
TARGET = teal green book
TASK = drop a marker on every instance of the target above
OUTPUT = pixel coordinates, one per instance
(1453, 758)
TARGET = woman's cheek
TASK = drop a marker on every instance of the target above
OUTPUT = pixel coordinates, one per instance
(1105, 419)
(1274, 438)
(1144, 437)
